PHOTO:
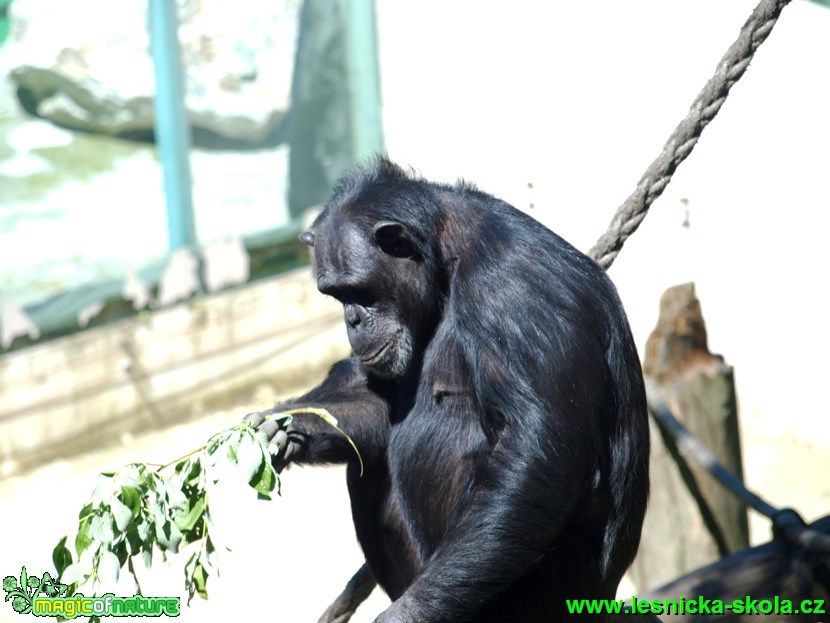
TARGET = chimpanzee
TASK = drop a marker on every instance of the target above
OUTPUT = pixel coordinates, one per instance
(495, 396)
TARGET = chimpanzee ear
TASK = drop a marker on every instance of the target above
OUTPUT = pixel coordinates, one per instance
(394, 239)
(308, 238)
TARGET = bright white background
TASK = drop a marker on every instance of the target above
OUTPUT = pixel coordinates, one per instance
(577, 98)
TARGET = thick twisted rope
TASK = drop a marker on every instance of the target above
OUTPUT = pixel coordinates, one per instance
(632, 212)
(684, 138)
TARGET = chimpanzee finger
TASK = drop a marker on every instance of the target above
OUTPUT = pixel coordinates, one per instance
(295, 446)
(255, 418)
(281, 459)
(269, 427)
(281, 439)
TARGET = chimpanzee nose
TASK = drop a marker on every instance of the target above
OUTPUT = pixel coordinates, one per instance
(353, 315)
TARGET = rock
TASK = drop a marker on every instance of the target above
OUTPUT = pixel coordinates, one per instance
(181, 278)
(226, 263)
(15, 323)
(86, 65)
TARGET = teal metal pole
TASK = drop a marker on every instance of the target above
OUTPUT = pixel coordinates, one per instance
(364, 77)
(171, 125)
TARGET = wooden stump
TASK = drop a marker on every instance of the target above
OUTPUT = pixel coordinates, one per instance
(691, 520)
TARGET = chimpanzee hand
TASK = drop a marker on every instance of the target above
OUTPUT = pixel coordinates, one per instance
(292, 443)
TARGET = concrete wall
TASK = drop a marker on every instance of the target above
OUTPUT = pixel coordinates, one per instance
(87, 389)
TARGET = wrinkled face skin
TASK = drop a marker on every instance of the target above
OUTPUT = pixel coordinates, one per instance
(378, 275)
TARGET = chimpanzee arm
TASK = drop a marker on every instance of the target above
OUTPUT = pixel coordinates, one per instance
(355, 399)
(520, 499)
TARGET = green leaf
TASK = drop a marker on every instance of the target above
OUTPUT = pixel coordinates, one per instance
(24, 578)
(122, 514)
(74, 574)
(155, 483)
(108, 566)
(175, 536)
(265, 481)
(103, 492)
(85, 511)
(122, 553)
(284, 419)
(175, 498)
(84, 537)
(189, 566)
(210, 553)
(250, 457)
(147, 556)
(132, 498)
(61, 556)
(133, 541)
(161, 537)
(143, 529)
(194, 475)
(101, 528)
(232, 456)
(189, 569)
(186, 521)
(200, 577)
(132, 475)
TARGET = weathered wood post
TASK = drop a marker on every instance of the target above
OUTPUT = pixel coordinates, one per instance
(691, 521)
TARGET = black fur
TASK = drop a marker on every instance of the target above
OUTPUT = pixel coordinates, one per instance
(503, 427)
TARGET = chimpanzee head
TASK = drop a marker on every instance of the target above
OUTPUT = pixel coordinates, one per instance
(372, 253)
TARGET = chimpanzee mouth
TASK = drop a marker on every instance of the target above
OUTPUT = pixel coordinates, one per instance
(373, 359)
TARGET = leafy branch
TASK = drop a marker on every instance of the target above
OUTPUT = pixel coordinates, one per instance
(143, 508)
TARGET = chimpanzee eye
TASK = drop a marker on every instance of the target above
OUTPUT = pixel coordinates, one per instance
(395, 240)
